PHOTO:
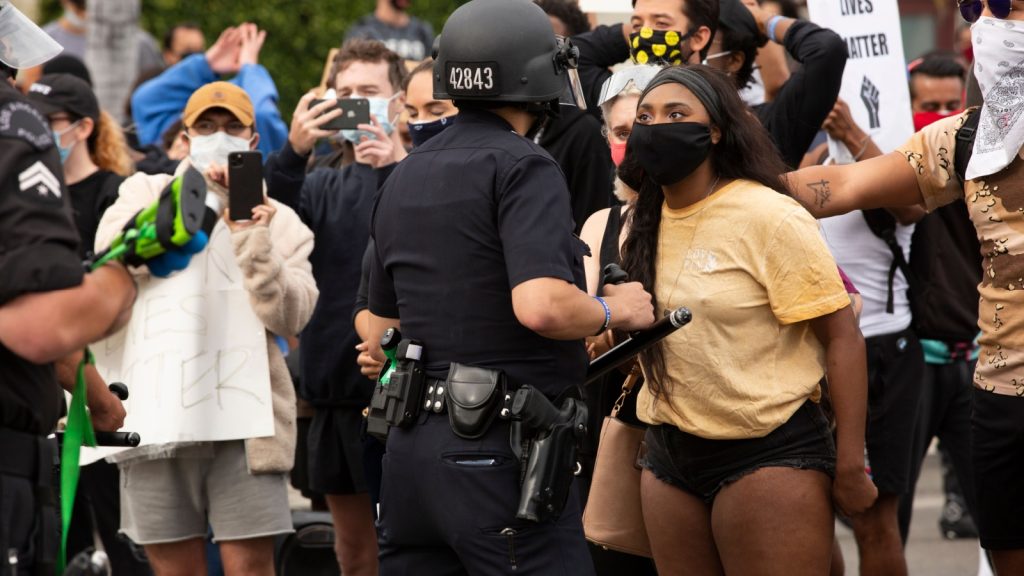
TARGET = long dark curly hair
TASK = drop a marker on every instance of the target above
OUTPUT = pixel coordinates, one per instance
(745, 151)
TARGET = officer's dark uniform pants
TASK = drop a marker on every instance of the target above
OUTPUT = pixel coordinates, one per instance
(17, 523)
(448, 507)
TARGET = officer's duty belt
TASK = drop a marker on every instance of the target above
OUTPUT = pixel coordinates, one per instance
(435, 398)
(28, 456)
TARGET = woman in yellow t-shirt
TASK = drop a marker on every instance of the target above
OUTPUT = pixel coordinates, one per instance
(741, 470)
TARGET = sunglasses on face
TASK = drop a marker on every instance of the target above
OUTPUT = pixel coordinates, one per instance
(971, 9)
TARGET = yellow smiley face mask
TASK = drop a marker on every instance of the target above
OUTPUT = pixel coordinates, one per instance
(659, 47)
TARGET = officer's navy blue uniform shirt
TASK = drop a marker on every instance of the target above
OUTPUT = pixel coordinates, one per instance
(466, 217)
(38, 251)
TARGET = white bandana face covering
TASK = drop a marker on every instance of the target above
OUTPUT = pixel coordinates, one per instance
(999, 67)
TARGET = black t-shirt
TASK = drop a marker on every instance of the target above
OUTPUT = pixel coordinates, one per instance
(90, 198)
(38, 251)
(469, 215)
(336, 206)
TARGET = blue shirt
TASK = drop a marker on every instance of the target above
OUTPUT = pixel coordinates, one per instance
(159, 103)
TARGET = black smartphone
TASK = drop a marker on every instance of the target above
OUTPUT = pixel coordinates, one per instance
(245, 183)
(354, 111)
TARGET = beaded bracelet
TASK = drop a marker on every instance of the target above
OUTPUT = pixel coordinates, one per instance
(772, 23)
(607, 315)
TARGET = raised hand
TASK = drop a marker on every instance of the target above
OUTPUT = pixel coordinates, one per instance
(223, 55)
(251, 44)
(869, 96)
(307, 123)
(378, 151)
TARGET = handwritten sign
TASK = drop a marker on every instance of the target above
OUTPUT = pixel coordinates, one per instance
(875, 80)
(194, 355)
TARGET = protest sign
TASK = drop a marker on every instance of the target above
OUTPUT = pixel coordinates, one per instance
(875, 79)
(194, 355)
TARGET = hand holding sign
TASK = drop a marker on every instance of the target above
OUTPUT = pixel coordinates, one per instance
(869, 95)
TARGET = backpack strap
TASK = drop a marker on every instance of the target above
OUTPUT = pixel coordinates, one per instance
(965, 143)
(883, 225)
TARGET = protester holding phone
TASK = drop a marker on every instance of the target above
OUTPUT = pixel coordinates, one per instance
(336, 202)
(173, 492)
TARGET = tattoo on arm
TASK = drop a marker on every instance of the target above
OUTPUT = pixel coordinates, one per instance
(822, 192)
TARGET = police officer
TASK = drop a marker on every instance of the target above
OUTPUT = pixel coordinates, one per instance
(48, 306)
(475, 254)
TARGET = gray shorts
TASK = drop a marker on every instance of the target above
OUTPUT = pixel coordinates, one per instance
(177, 498)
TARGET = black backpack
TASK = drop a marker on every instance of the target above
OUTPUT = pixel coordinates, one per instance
(931, 319)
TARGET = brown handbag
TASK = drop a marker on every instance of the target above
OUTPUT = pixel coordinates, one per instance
(613, 517)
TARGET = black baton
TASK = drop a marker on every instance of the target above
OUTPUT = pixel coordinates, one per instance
(638, 341)
(123, 439)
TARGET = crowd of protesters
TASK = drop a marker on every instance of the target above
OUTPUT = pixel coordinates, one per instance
(824, 358)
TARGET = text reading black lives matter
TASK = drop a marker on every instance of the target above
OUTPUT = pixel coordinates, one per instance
(867, 45)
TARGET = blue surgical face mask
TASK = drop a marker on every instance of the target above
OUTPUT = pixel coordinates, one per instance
(420, 132)
(378, 110)
(64, 152)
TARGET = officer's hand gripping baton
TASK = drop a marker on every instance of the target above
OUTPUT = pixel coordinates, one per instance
(638, 341)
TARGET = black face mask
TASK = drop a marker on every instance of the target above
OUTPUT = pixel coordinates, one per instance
(670, 152)
(420, 133)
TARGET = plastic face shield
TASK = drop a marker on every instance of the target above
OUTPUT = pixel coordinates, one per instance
(639, 75)
(566, 60)
(22, 43)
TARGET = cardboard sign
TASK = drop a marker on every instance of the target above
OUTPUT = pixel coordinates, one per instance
(194, 355)
(875, 79)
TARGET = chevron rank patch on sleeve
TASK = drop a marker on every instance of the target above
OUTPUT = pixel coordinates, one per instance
(37, 182)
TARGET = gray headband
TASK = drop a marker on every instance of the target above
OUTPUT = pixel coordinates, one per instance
(696, 83)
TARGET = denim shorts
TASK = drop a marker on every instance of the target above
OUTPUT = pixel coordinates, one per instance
(702, 467)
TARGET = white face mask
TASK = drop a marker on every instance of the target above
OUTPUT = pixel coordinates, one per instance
(207, 150)
(998, 60)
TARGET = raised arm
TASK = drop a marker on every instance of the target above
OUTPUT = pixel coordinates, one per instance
(882, 182)
(600, 49)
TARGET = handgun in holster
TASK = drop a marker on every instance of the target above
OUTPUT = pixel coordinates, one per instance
(546, 439)
(398, 393)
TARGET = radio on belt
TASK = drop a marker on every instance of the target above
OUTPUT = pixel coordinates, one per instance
(472, 78)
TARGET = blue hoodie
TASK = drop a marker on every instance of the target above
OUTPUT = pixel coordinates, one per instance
(159, 103)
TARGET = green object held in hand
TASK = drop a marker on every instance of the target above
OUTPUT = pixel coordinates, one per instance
(167, 224)
(78, 433)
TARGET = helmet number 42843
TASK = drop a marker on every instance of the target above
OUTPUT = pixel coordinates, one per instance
(472, 78)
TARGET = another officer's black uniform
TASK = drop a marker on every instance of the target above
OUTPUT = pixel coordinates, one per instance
(38, 253)
(466, 217)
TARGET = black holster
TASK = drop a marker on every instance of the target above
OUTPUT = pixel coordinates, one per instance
(35, 458)
(546, 440)
(397, 403)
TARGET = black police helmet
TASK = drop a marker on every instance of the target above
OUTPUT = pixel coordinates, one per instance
(501, 51)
